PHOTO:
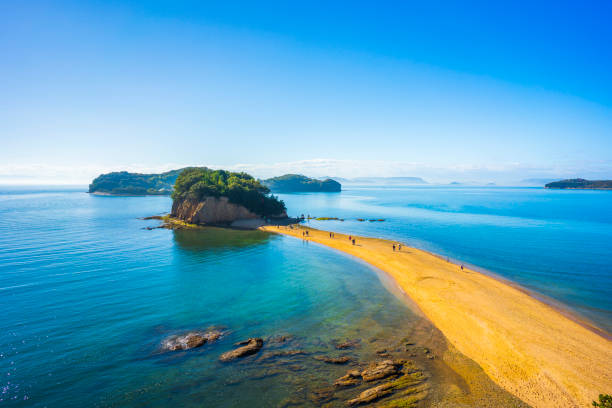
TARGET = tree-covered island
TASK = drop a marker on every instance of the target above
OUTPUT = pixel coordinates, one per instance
(297, 183)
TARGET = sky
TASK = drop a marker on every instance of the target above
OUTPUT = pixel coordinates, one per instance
(467, 90)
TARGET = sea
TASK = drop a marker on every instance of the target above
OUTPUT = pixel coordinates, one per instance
(89, 290)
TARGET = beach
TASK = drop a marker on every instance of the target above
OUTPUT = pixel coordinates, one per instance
(526, 346)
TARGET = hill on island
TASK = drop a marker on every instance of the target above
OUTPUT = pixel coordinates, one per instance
(581, 184)
(197, 185)
(125, 183)
(297, 183)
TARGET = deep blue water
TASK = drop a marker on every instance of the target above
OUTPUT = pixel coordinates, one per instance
(554, 242)
(87, 294)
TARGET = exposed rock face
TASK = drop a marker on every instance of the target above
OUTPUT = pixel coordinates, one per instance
(251, 346)
(211, 210)
(190, 340)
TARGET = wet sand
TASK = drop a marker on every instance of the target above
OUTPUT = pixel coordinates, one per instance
(525, 346)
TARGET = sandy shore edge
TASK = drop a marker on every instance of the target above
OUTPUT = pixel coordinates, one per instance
(526, 346)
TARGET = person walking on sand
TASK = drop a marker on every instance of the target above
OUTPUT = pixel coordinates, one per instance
(399, 247)
(353, 242)
(350, 238)
(461, 267)
(393, 247)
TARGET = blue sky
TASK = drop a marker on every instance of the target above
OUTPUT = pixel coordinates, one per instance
(443, 90)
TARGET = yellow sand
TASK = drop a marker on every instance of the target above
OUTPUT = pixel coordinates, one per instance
(527, 347)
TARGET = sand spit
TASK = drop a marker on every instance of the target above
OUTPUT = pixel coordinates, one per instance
(526, 346)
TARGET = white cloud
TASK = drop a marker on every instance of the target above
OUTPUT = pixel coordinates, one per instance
(498, 172)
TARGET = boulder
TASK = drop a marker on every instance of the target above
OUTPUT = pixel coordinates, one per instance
(251, 346)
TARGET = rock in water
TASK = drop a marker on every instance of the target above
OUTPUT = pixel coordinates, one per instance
(352, 377)
(190, 340)
(371, 394)
(333, 360)
(381, 369)
(252, 346)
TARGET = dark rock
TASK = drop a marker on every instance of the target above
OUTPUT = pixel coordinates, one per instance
(251, 346)
(333, 360)
(381, 369)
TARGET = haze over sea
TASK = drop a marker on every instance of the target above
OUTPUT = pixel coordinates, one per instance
(87, 294)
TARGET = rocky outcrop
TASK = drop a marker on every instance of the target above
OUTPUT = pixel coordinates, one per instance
(251, 346)
(190, 340)
(211, 210)
(381, 369)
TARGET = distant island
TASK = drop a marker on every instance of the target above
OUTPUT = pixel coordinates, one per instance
(205, 196)
(125, 183)
(297, 183)
(581, 184)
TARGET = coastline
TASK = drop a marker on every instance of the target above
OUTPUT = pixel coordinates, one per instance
(528, 347)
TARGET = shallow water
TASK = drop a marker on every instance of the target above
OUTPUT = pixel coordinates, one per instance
(554, 242)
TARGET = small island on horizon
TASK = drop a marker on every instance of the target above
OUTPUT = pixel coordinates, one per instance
(579, 183)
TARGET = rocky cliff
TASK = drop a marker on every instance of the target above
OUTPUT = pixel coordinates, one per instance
(211, 210)
(219, 211)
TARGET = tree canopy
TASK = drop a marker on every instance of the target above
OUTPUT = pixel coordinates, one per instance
(125, 183)
(196, 183)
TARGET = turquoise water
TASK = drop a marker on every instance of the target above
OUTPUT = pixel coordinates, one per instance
(87, 295)
(555, 242)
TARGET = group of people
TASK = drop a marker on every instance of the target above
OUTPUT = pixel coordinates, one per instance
(399, 247)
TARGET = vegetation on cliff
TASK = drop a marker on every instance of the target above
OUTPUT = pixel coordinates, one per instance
(296, 183)
(196, 183)
(581, 183)
(124, 183)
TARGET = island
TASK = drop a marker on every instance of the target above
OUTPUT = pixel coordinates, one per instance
(581, 184)
(297, 183)
(125, 183)
(218, 197)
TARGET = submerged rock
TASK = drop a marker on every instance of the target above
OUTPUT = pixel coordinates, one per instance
(333, 360)
(381, 369)
(190, 340)
(282, 353)
(352, 377)
(372, 394)
(349, 344)
(251, 346)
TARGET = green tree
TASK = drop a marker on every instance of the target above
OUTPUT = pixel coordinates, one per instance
(196, 183)
(605, 401)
